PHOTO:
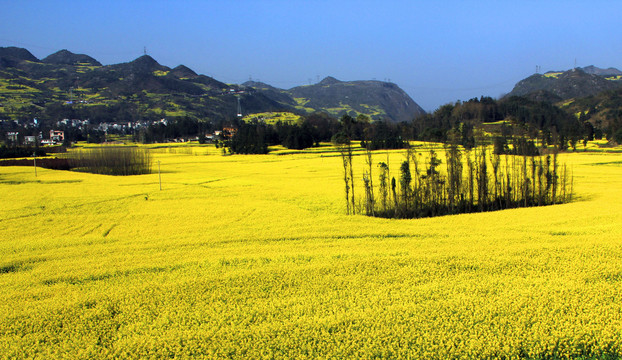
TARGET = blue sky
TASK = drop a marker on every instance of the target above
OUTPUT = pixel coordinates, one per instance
(437, 51)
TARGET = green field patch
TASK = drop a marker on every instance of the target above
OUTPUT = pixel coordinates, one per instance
(500, 122)
(566, 103)
(305, 109)
(301, 105)
(85, 68)
(273, 117)
(17, 89)
(373, 110)
(553, 75)
(301, 101)
(579, 113)
(342, 108)
(175, 113)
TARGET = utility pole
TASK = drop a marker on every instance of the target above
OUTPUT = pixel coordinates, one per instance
(239, 106)
(34, 154)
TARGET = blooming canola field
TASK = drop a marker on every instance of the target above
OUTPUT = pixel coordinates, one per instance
(254, 257)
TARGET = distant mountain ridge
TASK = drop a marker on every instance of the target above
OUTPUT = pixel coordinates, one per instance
(12, 56)
(68, 85)
(377, 99)
(66, 57)
(601, 72)
(555, 86)
(143, 88)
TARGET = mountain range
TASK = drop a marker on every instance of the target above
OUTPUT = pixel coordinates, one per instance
(77, 86)
(68, 85)
(377, 99)
(555, 86)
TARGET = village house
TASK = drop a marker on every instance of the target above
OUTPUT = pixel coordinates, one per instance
(57, 136)
(12, 136)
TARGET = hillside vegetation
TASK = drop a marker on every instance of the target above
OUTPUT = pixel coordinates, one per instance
(555, 86)
(378, 100)
(76, 86)
(254, 257)
(273, 118)
(603, 110)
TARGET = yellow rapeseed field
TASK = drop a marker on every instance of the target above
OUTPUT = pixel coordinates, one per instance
(253, 257)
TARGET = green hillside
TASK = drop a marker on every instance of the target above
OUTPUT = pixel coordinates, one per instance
(77, 86)
(273, 117)
(376, 99)
(555, 86)
(603, 111)
(67, 85)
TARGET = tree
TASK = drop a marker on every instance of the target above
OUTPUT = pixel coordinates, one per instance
(248, 139)
(297, 136)
(345, 150)
(405, 179)
(383, 178)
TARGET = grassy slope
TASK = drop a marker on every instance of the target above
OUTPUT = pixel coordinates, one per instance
(17, 98)
(251, 256)
(274, 117)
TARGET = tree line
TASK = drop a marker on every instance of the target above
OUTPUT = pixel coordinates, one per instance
(20, 151)
(255, 137)
(111, 160)
(542, 124)
(541, 121)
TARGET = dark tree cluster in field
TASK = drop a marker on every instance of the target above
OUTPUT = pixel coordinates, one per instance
(382, 135)
(469, 181)
(249, 139)
(254, 137)
(46, 162)
(7, 152)
(111, 160)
